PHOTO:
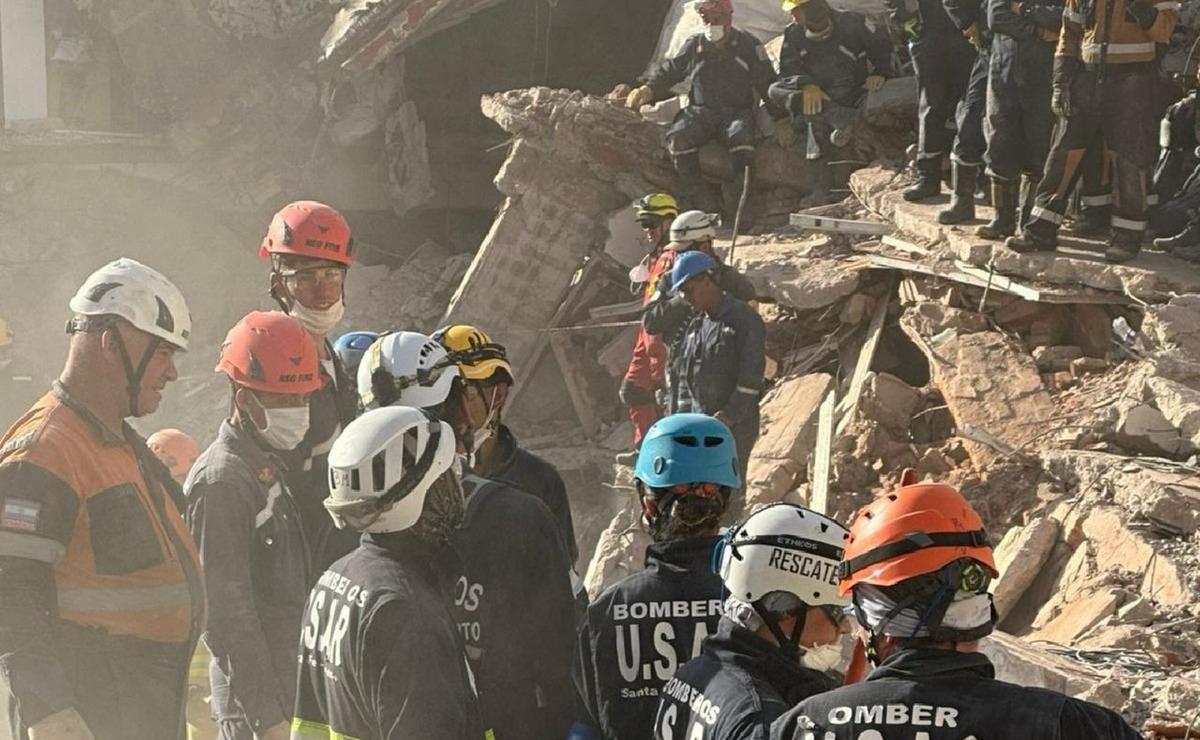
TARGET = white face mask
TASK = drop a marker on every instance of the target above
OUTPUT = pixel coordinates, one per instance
(481, 435)
(639, 273)
(822, 658)
(316, 321)
(286, 427)
(714, 33)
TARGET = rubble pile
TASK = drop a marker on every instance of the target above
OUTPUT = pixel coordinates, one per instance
(411, 296)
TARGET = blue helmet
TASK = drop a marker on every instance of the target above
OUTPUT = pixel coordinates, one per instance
(687, 448)
(350, 348)
(688, 265)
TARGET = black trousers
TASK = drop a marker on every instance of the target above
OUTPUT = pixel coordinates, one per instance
(943, 62)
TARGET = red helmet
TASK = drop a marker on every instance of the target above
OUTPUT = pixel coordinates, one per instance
(308, 229)
(919, 528)
(270, 351)
(715, 9)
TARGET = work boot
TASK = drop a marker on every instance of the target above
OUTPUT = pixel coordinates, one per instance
(1186, 239)
(1123, 245)
(1004, 200)
(1092, 221)
(962, 200)
(929, 180)
(1038, 236)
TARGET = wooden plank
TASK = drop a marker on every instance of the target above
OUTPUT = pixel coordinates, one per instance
(813, 222)
(818, 501)
(1041, 295)
(849, 405)
(904, 245)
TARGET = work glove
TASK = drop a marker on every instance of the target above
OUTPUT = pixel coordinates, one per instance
(638, 97)
(912, 27)
(972, 34)
(65, 724)
(1142, 12)
(633, 394)
(874, 83)
(1060, 102)
(785, 134)
(814, 99)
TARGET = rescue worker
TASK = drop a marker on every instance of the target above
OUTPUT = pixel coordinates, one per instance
(640, 629)
(487, 379)
(1103, 85)
(943, 60)
(718, 369)
(513, 599)
(103, 601)
(1018, 120)
(380, 654)
(349, 349)
(917, 566)
(828, 63)
(247, 525)
(648, 366)
(178, 452)
(667, 314)
(779, 635)
(966, 153)
(174, 449)
(1175, 178)
(725, 68)
(309, 246)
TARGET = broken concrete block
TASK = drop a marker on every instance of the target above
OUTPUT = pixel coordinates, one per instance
(1138, 612)
(789, 424)
(1025, 664)
(878, 188)
(891, 401)
(1056, 359)
(1081, 615)
(1081, 366)
(855, 309)
(1143, 428)
(1012, 407)
(1179, 404)
(931, 319)
(619, 552)
(1118, 547)
(1019, 558)
(797, 282)
(894, 105)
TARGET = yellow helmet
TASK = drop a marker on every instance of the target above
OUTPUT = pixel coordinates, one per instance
(477, 356)
(661, 205)
(790, 5)
(6, 335)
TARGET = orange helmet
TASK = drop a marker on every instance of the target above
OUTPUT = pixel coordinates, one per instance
(919, 528)
(177, 450)
(308, 229)
(270, 351)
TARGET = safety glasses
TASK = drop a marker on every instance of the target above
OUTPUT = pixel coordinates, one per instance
(310, 278)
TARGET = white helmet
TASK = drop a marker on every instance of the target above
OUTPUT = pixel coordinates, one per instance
(784, 548)
(690, 227)
(405, 368)
(383, 465)
(138, 294)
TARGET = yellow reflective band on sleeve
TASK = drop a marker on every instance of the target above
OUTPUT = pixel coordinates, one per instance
(489, 734)
(303, 729)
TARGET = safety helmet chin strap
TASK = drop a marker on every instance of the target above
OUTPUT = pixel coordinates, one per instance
(788, 645)
(134, 375)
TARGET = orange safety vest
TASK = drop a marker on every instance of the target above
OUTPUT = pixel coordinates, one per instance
(129, 566)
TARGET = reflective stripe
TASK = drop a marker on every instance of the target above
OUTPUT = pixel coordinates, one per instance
(678, 152)
(1046, 215)
(1168, 6)
(965, 163)
(1152, 199)
(1096, 200)
(742, 148)
(1143, 48)
(929, 155)
(742, 62)
(1128, 225)
(847, 52)
(1073, 17)
(124, 599)
(303, 729)
(744, 389)
(31, 547)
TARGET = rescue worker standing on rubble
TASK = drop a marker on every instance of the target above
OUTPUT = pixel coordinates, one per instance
(309, 246)
(828, 63)
(247, 526)
(917, 566)
(778, 637)
(718, 368)
(966, 154)
(488, 376)
(726, 67)
(1018, 121)
(513, 599)
(648, 367)
(645, 626)
(1103, 85)
(667, 314)
(943, 59)
(380, 655)
(103, 601)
